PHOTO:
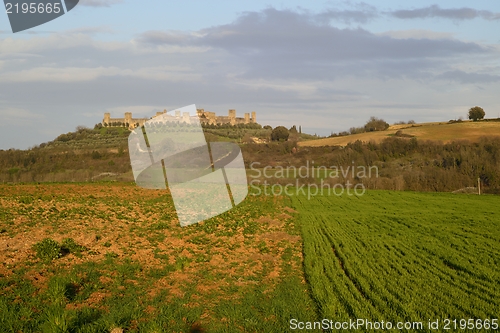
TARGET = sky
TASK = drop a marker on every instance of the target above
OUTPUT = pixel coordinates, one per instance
(324, 65)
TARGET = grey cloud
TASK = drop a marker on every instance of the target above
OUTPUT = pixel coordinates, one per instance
(454, 14)
(468, 78)
(287, 44)
(289, 33)
(164, 37)
(362, 13)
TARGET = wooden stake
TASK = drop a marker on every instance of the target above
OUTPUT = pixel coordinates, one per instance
(479, 186)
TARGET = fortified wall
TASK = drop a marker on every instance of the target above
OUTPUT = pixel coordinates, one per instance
(205, 117)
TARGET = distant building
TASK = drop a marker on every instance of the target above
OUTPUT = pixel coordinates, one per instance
(205, 117)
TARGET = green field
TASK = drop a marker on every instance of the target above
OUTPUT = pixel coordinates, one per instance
(402, 256)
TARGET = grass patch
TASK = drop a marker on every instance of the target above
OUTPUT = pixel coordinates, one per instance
(48, 250)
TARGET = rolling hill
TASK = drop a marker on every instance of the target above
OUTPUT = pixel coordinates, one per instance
(441, 131)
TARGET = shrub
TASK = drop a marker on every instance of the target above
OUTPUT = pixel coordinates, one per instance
(280, 133)
(356, 130)
(63, 138)
(376, 124)
(13, 171)
(96, 155)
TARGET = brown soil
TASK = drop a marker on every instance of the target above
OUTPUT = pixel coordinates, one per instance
(113, 218)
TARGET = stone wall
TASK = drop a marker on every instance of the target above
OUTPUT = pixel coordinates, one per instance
(205, 117)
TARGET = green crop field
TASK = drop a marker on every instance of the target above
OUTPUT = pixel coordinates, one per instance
(402, 257)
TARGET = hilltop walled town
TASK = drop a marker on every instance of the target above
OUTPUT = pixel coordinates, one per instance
(205, 117)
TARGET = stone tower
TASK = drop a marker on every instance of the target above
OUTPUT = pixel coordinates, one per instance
(107, 118)
(247, 118)
(254, 117)
(232, 116)
(128, 118)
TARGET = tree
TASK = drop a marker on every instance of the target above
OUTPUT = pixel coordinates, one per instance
(476, 113)
(280, 133)
(376, 124)
(81, 128)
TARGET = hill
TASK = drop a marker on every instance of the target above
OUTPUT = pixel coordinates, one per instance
(423, 163)
(443, 132)
(101, 153)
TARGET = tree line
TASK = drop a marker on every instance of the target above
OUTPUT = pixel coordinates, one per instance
(403, 163)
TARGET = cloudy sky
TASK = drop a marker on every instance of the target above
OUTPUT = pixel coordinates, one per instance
(324, 65)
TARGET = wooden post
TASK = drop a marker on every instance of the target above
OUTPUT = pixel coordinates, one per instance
(479, 186)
